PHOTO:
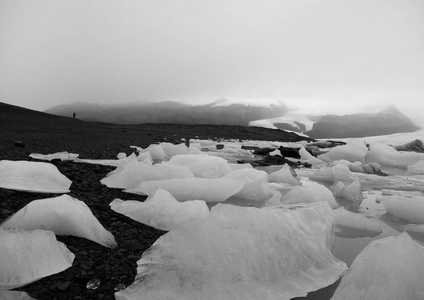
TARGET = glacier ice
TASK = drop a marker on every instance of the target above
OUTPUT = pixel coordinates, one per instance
(59, 155)
(391, 268)
(338, 172)
(410, 209)
(28, 255)
(308, 193)
(162, 211)
(184, 189)
(64, 215)
(353, 151)
(307, 157)
(354, 225)
(284, 175)
(31, 176)
(255, 190)
(416, 169)
(171, 149)
(132, 174)
(156, 152)
(241, 253)
(204, 166)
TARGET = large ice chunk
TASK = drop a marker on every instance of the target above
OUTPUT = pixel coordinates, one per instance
(27, 256)
(349, 196)
(241, 253)
(285, 175)
(162, 211)
(354, 225)
(354, 150)
(387, 269)
(308, 158)
(14, 295)
(184, 189)
(203, 166)
(388, 157)
(406, 208)
(32, 176)
(255, 190)
(171, 149)
(338, 172)
(416, 169)
(64, 215)
(308, 193)
(132, 174)
(58, 155)
(156, 151)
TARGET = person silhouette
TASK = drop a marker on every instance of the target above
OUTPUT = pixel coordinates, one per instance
(74, 114)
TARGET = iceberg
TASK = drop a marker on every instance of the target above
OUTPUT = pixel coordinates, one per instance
(132, 174)
(108, 162)
(59, 155)
(349, 196)
(255, 190)
(184, 189)
(32, 176)
(64, 215)
(405, 208)
(171, 149)
(162, 211)
(388, 269)
(27, 256)
(308, 158)
(203, 166)
(354, 225)
(285, 175)
(416, 169)
(241, 253)
(338, 172)
(156, 152)
(308, 193)
(14, 295)
(354, 150)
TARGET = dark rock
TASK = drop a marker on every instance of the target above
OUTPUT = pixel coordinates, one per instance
(414, 146)
(64, 286)
(19, 144)
(289, 152)
(263, 151)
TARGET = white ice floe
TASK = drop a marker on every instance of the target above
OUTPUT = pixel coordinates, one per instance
(162, 211)
(184, 189)
(389, 158)
(29, 255)
(241, 253)
(14, 295)
(255, 190)
(171, 149)
(204, 166)
(109, 162)
(410, 209)
(354, 150)
(132, 174)
(387, 269)
(59, 155)
(31, 176)
(338, 172)
(354, 225)
(350, 196)
(63, 215)
(156, 151)
(416, 169)
(308, 158)
(284, 175)
(308, 193)
(145, 157)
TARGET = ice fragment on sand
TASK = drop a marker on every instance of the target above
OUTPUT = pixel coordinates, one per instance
(184, 189)
(63, 215)
(132, 174)
(156, 151)
(14, 295)
(109, 162)
(171, 149)
(163, 212)
(388, 269)
(27, 256)
(406, 208)
(338, 172)
(354, 225)
(59, 155)
(31, 176)
(241, 253)
(308, 193)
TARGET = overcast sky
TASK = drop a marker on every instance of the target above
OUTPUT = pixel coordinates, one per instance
(306, 53)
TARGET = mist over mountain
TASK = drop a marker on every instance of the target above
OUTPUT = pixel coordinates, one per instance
(220, 111)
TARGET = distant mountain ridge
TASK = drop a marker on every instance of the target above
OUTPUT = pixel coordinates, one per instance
(218, 112)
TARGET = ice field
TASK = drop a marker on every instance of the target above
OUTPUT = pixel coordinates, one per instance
(237, 232)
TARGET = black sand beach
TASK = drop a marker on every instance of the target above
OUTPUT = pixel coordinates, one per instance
(43, 133)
